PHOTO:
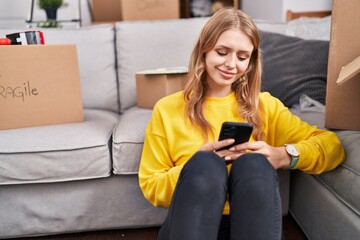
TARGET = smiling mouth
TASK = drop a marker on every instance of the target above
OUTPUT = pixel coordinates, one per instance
(226, 74)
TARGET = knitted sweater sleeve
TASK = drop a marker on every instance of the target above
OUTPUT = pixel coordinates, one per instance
(320, 150)
(158, 174)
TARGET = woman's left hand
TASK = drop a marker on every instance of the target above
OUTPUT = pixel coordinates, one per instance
(277, 156)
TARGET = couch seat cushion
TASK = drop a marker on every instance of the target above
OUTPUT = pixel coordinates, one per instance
(344, 181)
(56, 153)
(128, 140)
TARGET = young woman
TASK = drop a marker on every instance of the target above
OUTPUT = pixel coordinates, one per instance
(236, 195)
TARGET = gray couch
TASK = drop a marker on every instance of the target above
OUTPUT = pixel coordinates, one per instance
(83, 176)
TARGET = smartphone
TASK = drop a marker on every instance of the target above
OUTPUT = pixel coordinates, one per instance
(241, 132)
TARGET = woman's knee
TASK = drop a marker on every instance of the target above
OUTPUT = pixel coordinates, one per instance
(252, 173)
(206, 163)
(252, 163)
(205, 170)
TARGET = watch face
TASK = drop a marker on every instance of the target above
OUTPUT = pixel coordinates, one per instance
(292, 150)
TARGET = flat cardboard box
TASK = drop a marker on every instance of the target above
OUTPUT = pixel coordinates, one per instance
(343, 82)
(39, 85)
(130, 10)
(154, 84)
(349, 71)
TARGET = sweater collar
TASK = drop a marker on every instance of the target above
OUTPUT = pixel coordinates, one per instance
(222, 100)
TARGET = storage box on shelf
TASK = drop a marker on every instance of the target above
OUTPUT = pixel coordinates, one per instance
(130, 10)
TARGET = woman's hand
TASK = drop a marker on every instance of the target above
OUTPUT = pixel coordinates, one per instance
(277, 156)
(226, 154)
(213, 146)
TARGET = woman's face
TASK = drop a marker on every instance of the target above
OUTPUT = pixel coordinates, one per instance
(227, 61)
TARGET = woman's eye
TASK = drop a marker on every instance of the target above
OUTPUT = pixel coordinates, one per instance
(241, 58)
(221, 53)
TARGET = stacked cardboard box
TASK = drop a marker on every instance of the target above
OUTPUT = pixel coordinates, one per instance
(343, 83)
(152, 85)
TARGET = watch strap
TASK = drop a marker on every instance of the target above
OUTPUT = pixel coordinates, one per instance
(294, 161)
(294, 155)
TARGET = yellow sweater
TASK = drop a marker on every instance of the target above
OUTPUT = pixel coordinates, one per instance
(170, 141)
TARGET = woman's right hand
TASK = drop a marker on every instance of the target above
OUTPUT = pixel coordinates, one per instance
(213, 146)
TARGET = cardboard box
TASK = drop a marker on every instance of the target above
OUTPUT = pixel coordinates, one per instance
(343, 83)
(39, 85)
(130, 10)
(151, 85)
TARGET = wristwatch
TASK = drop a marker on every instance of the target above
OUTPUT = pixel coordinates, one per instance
(292, 151)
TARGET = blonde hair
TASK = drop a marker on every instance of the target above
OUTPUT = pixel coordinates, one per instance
(246, 88)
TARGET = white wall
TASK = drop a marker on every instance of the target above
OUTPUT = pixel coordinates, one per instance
(13, 13)
(275, 10)
(263, 9)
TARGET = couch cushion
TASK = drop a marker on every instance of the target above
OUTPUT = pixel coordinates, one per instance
(96, 54)
(344, 181)
(115, 202)
(143, 45)
(293, 66)
(56, 153)
(128, 140)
